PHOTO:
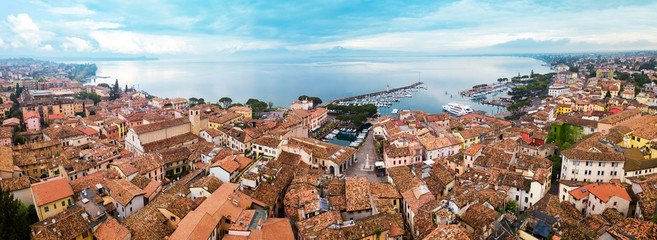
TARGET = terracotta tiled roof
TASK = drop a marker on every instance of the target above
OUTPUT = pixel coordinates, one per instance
(210, 183)
(14, 184)
(479, 216)
(6, 159)
(613, 215)
(606, 190)
(240, 108)
(160, 125)
(417, 197)
(591, 149)
(311, 227)
(450, 231)
(323, 150)
(402, 178)
(147, 163)
(367, 226)
(52, 190)
(148, 222)
(31, 114)
(357, 194)
(6, 132)
(213, 132)
(61, 132)
(126, 166)
(182, 139)
(269, 141)
(273, 229)
(616, 118)
(383, 190)
(68, 224)
(111, 229)
(632, 228)
(473, 149)
(175, 154)
(123, 191)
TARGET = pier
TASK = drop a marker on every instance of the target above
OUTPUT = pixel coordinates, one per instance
(374, 94)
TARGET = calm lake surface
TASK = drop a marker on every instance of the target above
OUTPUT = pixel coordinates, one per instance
(326, 77)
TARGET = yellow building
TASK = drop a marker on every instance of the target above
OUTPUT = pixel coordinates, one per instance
(66, 107)
(51, 197)
(244, 111)
(40, 149)
(641, 137)
(564, 109)
(607, 73)
(468, 137)
(123, 128)
(598, 107)
(582, 106)
(225, 118)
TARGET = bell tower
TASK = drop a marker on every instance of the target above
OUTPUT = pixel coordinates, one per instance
(195, 120)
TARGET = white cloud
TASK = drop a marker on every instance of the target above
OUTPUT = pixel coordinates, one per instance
(73, 10)
(470, 24)
(137, 43)
(78, 44)
(27, 33)
(47, 47)
(2, 43)
(89, 24)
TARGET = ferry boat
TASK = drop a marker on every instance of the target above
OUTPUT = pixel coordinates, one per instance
(458, 109)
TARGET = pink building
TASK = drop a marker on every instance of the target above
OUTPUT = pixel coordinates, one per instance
(6, 136)
(31, 119)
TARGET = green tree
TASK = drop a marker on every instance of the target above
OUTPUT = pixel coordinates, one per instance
(259, 106)
(19, 139)
(14, 217)
(88, 95)
(316, 100)
(270, 103)
(225, 102)
(192, 101)
(115, 92)
(512, 206)
(251, 101)
(104, 85)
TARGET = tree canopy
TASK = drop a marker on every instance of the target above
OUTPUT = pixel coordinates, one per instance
(256, 105)
(225, 102)
(195, 101)
(88, 95)
(115, 92)
(14, 217)
(316, 100)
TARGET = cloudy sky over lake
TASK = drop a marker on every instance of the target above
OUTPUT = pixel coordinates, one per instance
(197, 28)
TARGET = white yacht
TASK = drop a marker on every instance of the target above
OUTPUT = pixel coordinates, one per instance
(458, 109)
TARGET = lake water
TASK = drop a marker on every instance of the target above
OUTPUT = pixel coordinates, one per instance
(325, 77)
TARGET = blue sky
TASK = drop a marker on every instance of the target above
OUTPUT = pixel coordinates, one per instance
(221, 28)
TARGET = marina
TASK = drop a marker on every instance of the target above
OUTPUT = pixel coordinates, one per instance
(347, 136)
(381, 99)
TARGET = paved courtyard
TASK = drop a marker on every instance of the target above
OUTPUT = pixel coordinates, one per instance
(367, 156)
